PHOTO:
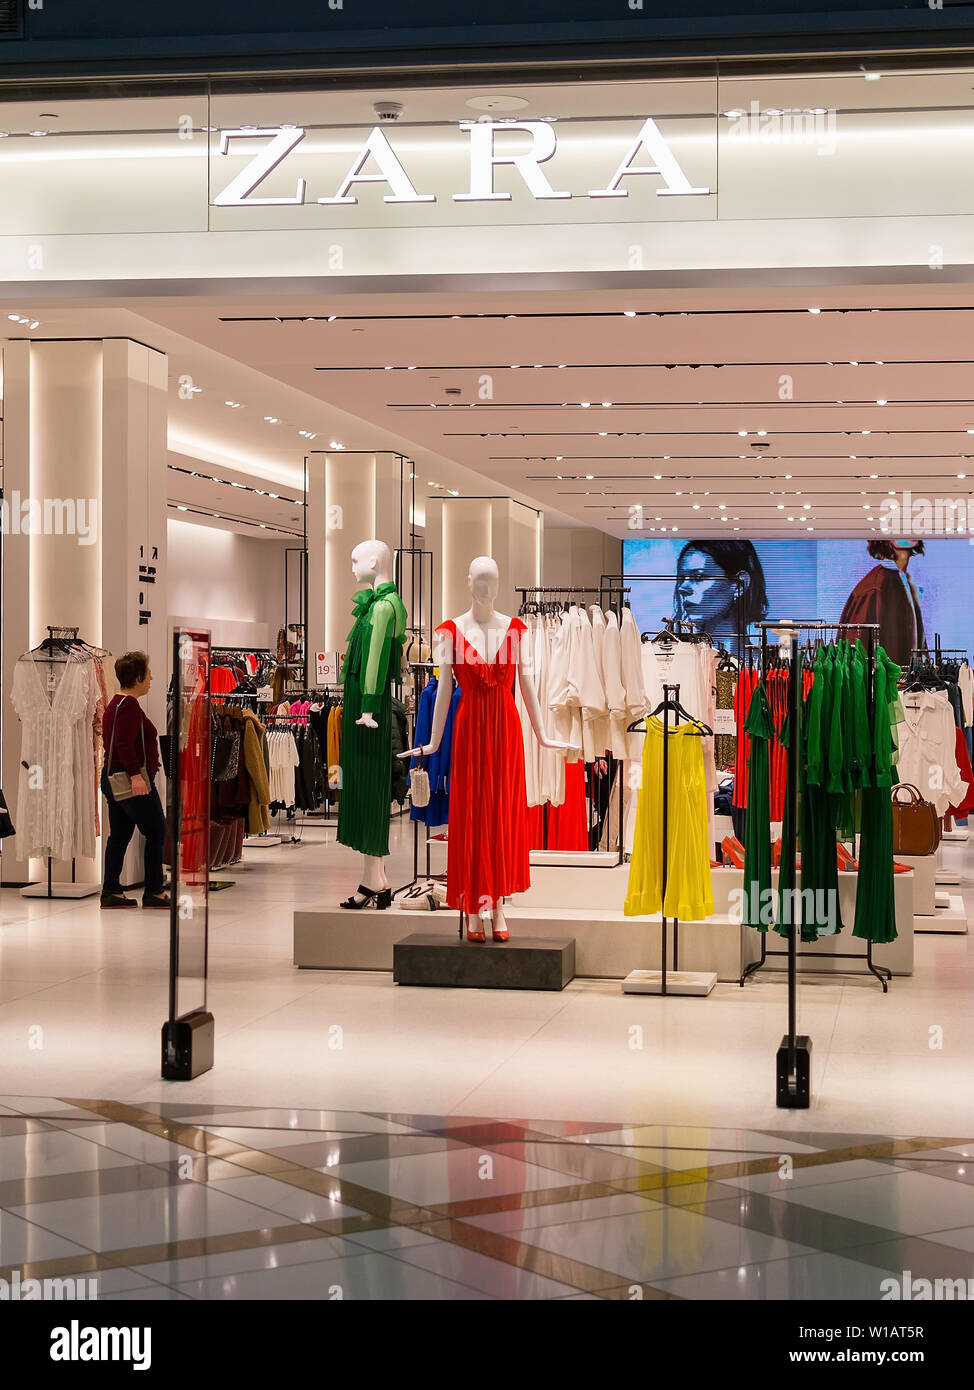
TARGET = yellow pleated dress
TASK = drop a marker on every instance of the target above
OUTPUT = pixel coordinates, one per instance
(689, 893)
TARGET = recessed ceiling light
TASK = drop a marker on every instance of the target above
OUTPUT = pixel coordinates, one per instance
(272, 419)
(742, 434)
(813, 311)
(37, 132)
(589, 477)
(606, 405)
(761, 433)
(629, 313)
(180, 508)
(880, 402)
(585, 404)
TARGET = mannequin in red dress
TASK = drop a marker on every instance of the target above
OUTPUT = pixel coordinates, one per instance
(488, 844)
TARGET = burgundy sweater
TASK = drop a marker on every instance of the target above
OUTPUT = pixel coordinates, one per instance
(131, 725)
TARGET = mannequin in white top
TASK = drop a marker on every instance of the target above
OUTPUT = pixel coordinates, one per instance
(484, 630)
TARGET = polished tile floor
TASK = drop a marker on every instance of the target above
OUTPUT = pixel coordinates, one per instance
(340, 1143)
(174, 1201)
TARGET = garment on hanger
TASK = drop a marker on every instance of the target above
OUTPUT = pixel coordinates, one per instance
(759, 727)
(689, 891)
(488, 851)
(57, 701)
(875, 901)
(372, 663)
(398, 743)
(927, 751)
(437, 765)
(283, 759)
(725, 745)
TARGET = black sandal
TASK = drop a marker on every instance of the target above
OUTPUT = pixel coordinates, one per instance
(382, 897)
(112, 900)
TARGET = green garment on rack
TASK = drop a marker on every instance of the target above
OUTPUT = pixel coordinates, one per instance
(875, 899)
(820, 912)
(372, 663)
(759, 724)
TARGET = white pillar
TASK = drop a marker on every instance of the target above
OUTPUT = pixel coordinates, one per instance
(351, 498)
(85, 442)
(460, 528)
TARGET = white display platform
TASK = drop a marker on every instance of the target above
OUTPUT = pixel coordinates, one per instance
(573, 858)
(924, 868)
(677, 982)
(61, 890)
(950, 917)
(608, 945)
(958, 834)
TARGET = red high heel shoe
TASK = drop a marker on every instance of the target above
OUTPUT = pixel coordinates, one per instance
(473, 935)
(500, 934)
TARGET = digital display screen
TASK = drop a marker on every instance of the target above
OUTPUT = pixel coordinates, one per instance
(724, 583)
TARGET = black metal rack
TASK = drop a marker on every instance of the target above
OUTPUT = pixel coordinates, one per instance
(794, 1054)
(882, 974)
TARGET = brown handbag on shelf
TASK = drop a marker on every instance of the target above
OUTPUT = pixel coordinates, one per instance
(916, 825)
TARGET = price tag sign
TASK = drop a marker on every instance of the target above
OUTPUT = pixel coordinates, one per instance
(724, 722)
(328, 667)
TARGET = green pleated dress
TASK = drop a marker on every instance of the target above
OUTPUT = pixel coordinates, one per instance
(875, 903)
(372, 663)
(759, 725)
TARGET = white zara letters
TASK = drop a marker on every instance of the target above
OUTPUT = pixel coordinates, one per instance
(484, 158)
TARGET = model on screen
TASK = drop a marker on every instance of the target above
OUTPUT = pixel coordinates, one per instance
(711, 577)
(888, 596)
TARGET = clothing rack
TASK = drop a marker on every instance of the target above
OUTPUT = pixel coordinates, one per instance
(794, 1054)
(61, 639)
(651, 981)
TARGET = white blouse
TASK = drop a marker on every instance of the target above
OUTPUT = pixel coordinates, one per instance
(927, 758)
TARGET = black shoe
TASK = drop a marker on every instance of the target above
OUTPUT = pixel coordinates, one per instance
(116, 900)
(157, 900)
(381, 896)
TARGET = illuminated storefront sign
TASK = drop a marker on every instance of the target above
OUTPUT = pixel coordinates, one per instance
(484, 159)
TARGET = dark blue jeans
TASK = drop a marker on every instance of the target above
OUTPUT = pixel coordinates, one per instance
(146, 814)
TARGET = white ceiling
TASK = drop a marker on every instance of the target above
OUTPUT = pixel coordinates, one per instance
(684, 376)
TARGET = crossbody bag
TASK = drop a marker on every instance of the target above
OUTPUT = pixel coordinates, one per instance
(121, 782)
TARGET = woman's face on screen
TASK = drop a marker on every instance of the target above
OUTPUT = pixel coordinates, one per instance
(706, 594)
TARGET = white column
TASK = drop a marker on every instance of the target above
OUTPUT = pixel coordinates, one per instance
(459, 528)
(85, 446)
(351, 498)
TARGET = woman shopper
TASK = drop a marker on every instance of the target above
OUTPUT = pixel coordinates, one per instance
(133, 748)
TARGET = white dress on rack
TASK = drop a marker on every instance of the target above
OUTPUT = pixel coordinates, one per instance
(615, 690)
(51, 700)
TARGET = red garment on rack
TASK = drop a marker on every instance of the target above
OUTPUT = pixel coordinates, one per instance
(567, 823)
(966, 772)
(222, 680)
(747, 681)
(488, 850)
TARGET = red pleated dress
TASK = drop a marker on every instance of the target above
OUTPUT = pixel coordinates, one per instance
(488, 845)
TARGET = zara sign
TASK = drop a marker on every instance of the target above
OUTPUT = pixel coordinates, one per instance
(484, 158)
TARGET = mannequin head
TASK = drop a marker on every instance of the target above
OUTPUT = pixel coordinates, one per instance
(372, 563)
(483, 579)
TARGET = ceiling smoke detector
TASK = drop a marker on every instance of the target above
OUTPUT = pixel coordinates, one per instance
(388, 110)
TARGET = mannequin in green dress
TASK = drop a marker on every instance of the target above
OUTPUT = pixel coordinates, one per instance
(371, 662)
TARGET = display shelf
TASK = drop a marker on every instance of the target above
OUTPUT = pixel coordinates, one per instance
(432, 959)
(684, 982)
(949, 918)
